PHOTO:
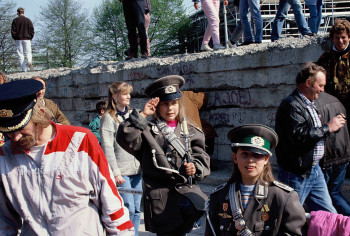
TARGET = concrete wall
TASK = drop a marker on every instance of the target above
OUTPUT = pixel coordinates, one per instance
(245, 85)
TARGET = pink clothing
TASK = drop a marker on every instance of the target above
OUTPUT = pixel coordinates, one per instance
(328, 224)
(211, 9)
(147, 22)
(172, 123)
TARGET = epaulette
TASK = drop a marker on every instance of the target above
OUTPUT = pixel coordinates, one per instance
(218, 188)
(283, 186)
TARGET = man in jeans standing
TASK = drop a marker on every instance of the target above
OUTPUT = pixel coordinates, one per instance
(283, 8)
(22, 31)
(301, 144)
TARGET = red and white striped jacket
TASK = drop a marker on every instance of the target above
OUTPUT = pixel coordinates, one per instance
(72, 192)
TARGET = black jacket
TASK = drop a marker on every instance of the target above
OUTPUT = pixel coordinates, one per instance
(22, 28)
(337, 149)
(297, 135)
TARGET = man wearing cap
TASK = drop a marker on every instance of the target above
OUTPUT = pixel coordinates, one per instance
(302, 136)
(252, 202)
(55, 179)
(172, 199)
(58, 116)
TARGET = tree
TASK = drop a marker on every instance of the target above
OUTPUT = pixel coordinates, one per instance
(168, 27)
(110, 33)
(64, 33)
(8, 57)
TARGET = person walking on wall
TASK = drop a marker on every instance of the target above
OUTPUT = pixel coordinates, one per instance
(254, 6)
(211, 10)
(315, 9)
(22, 31)
(125, 167)
(281, 15)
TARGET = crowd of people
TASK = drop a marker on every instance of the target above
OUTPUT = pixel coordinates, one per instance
(58, 179)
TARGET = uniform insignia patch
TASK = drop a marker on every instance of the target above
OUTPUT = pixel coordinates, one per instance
(225, 215)
(225, 206)
(283, 186)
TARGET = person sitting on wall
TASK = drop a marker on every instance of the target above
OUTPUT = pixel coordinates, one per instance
(58, 116)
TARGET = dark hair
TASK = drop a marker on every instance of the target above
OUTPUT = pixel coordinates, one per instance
(101, 105)
(20, 10)
(309, 71)
(265, 176)
(339, 27)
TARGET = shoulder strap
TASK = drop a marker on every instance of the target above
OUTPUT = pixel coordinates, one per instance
(171, 137)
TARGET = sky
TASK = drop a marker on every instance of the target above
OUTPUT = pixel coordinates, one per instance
(32, 7)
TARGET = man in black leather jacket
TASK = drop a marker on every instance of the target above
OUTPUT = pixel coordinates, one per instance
(301, 136)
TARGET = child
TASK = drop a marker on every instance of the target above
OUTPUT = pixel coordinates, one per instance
(172, 199)
(251, 202)
(94, 125)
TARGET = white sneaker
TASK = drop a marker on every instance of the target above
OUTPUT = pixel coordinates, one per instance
(206, 48)
(231, 45)
(218, 47)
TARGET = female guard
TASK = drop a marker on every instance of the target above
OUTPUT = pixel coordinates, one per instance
(251, 202)
(172, 159)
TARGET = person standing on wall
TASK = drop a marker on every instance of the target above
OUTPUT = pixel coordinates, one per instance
(211, 10)
(134, 13)
(315, 9)
(125, 167)
(22, 31)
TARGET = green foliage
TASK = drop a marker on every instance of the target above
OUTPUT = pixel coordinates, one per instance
(64, 33)
(168, 28)
(110, 34)
(169, 25)
(8, 56)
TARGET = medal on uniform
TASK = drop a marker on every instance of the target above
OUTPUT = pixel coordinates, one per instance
(265, 216)
(225, 206)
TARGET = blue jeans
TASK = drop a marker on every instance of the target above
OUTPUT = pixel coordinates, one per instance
(281, 15)
(313, 190)
(315, 16)
(133, 201)
(254, 6)
(335, 176)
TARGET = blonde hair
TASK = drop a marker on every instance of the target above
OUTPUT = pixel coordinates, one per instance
(40, 118)
(114, 89)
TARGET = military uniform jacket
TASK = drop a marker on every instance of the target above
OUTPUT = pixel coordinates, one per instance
(286, 216)
(139, 137)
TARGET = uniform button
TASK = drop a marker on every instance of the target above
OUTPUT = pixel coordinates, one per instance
(169, 159)
(221, 227)
(267, 228)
